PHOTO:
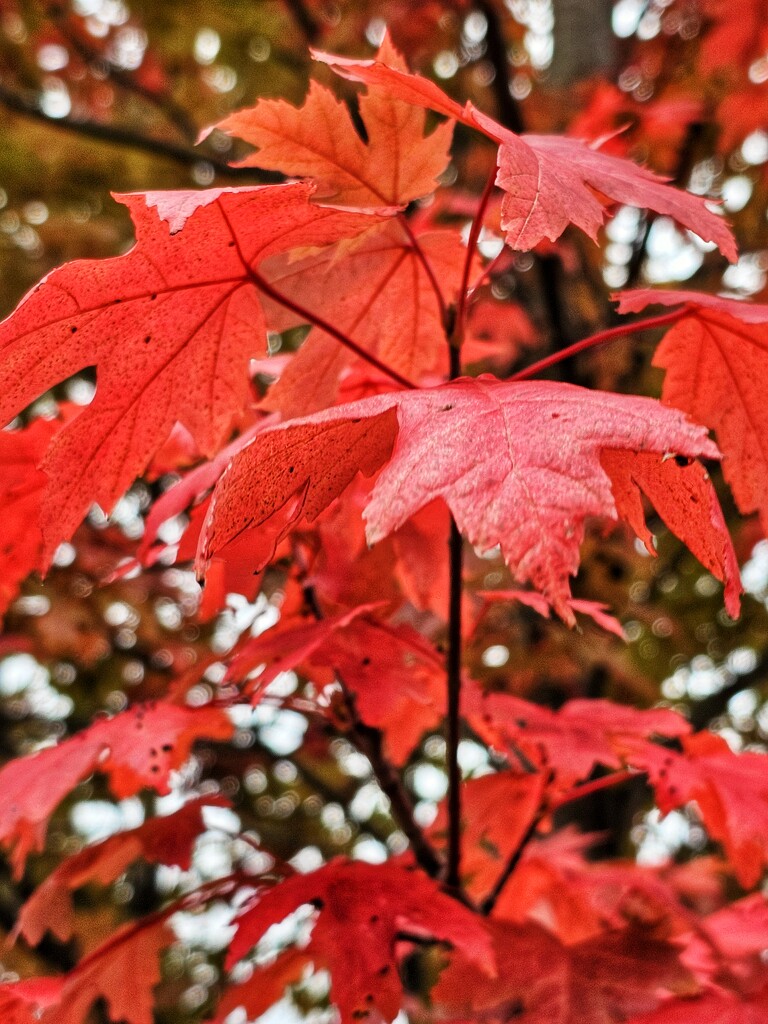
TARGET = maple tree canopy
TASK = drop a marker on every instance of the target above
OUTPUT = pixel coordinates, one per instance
(371, 649)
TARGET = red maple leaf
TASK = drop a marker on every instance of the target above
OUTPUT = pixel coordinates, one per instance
(165, 840)
(716, 358)
(137, 748)
(735, 34)
(730, 791)
(517, 464)
(396, 164)
(600, 981)
(384, 294)
(21, 490)
(265, 987)
(573, 741)
(549, 181)
(712, 1008)
(123, 971)
(364, 911)
(577, 899)
(685, 499)
(169, 329)
(396, 677)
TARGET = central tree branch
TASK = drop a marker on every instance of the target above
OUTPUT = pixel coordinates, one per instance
(453, 672)
(453, 731)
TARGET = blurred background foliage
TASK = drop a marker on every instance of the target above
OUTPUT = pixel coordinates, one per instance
(100, 96)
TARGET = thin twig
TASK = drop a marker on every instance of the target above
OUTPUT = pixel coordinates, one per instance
(487, 271)
(28, 107)
(576, 793)
(601, 338)
(588, 788)
(369, 741)
(492, 898)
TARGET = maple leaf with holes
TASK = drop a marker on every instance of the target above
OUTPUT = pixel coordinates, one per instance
(548, 181)
(169, 328)
(681, 493)
(395, 165)
(137, 748)
(716, 359)
(166, 840)
(573, 741)
(518, 464)
(365, 911)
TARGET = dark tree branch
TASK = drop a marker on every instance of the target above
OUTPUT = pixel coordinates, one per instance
(453, 669)
(508, 108)
(453, 733)
(304, 19)
(28, 106)
(164, 102)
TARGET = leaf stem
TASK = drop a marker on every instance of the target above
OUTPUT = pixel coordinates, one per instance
(312, 318)
(601, 338)
(457, 335)
(487, 270)
(588, 788)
